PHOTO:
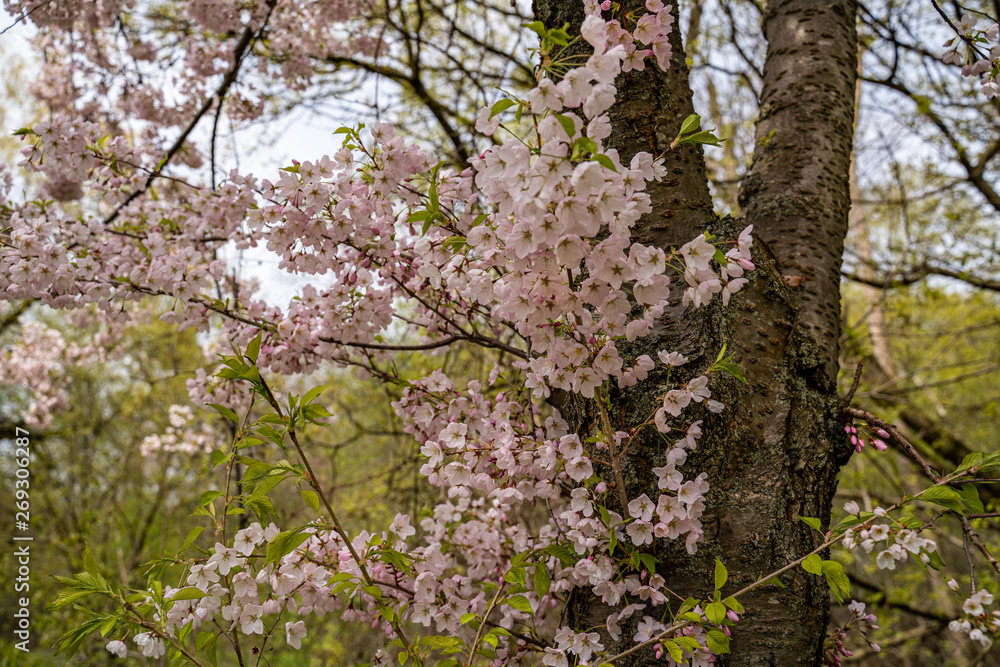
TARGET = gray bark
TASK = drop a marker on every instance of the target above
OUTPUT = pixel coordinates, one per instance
(797, 194)
(775, 451)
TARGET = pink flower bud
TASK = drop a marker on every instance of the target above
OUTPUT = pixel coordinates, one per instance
(732, 616)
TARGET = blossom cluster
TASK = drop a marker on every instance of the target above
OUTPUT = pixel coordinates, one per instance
(233, 590)
(985, 65)
(39, 360)
(179, 435)
(898, 540)
(835, 649)
(858, 439)
(977, 623)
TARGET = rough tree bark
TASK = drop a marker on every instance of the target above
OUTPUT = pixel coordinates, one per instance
(775, 451)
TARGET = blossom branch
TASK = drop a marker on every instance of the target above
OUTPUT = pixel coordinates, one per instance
(220, 94)
(338, 527)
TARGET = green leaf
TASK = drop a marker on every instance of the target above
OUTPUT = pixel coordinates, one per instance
(191, 537)
(604, 161)
(438, 641)
(945, 496)
(970, 498)
(689, 643)
(285, 543)
(840, 584)
(218, 457)
(972, 459)
(520, 603)
(733, 604)
(70, 642)
(715, 612)
(813, 564)
(313, 394)
(567, 125)
(565, 556)
(690, 603)
(516, 576)
(267, 484)
(256, 471)
(720, 574)
(208, 497)
(108, 625)
(501, 105)
(315, 411)
(311, 498)
(89, 564)
(649, 562)
(541, 580)
(773, 581)
(271, 434)
(584, 146)
(690, 124)
(399, 560)
(732, 370)
(432, 192)
(702, 138)
(717, 641)
(559, 36)
(674, 649)
(536, 27)
(225, 412)
(812, 522)
(189, 593)
(469, 616)
(253, 347)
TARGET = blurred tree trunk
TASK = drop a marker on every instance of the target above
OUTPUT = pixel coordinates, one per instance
(775, 451)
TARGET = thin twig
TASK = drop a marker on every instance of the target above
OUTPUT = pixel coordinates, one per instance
(854, 387)
(615, 459)
(972, 567)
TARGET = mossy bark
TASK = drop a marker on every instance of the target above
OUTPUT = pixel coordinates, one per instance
(775, 452)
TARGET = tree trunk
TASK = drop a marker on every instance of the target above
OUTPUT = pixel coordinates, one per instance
(775, 451)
